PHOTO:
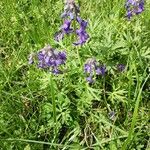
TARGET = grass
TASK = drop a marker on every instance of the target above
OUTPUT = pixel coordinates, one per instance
(42, 112)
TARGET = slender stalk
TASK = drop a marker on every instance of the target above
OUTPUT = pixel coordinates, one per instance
(53, 98)
(78, 55)
(79, 2)
(104, 94)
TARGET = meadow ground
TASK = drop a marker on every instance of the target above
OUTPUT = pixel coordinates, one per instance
(112, 113)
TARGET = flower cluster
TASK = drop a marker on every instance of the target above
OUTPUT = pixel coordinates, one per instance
(92, 67)
(49, 58)
(71, 10)
(81, 32)
(71, 16)
(65, 29)
(134, 7)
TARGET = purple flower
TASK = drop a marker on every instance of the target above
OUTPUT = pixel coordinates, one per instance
(134, 7)
(82, 38)
(66, 27)
(87, 68)
(70, 10)
(83, 23)
(50, 58)
(81, 33)
(89, 79)
(140, 8)
(90, 65)
(92, 68)
(101, 70)
(62, 57)
(121, 67)
(71, 15)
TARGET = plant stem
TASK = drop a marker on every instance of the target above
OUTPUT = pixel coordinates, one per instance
(53, 98)
(104, 94)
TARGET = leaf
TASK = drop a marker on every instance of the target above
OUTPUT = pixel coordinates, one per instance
(27, 147)
(146, 54)
(118, 45)
(118, 95)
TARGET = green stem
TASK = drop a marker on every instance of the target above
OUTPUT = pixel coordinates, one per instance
(78, 55)
(53, 98)
(104, 94)
(79, 2)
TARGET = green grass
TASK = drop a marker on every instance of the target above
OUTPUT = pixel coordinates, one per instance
(28, 95)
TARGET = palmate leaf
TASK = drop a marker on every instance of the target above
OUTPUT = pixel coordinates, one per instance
(117, 95)
(146, 53)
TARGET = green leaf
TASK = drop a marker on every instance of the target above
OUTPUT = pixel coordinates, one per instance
(27, 147)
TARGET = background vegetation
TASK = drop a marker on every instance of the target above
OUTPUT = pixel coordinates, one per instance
(84, 112)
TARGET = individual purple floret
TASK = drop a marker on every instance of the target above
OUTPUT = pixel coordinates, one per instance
(82, 38)
(121, 67)
(49, 58)
(92, 68)
(134, 7)
(66, 27)
(101, 70)
(90, 79)
(83, 23)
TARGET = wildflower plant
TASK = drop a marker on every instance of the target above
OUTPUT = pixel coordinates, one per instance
(91, 105)
(72, 17)
(49, 58)
(134, 7)
(92, 68)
